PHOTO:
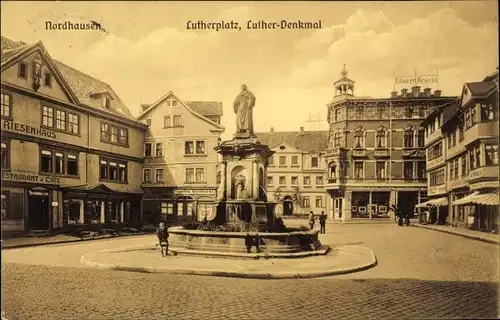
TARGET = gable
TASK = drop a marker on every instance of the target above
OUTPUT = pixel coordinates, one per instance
(54, 87)
(466, 96)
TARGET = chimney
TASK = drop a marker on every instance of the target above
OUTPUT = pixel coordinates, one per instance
(145, 106)
(437, 93)
(415, 91)
(404, 92)
(394, 94)
(301, 130)
(427, 92)
(272, 129)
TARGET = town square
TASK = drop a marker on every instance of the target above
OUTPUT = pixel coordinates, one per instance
(280, 160)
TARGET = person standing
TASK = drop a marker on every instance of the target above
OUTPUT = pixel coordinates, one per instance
(311, 220)
(322, 222)
(162, 234)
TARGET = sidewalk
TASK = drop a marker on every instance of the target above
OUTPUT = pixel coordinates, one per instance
(32, 241)
(467, 233)
(340, 260)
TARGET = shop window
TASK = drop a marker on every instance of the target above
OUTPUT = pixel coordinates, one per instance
(166, 209)
(12, 206)
(205, 209)
(5, 204)
(5, 154)
(74, 212)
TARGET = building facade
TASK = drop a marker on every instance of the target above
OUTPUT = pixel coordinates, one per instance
(462, 158)
(375, 153)
(58, 169)
(179, 175)
(296, 171)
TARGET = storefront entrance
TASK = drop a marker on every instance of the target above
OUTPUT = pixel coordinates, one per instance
(38, 209)
(287, 206)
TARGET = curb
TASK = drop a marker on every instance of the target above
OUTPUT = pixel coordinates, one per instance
(458, 234)
(66, 241)
(234, 274)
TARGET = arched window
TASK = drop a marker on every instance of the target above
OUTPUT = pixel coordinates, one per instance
(408, 138)
(359, 138)
(381, 138)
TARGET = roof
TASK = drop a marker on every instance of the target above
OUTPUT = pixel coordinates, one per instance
(481, 88)
(205, 108)
(450, 111)
(81, 84)
(307, 141)
(492, 77)
(441, 109)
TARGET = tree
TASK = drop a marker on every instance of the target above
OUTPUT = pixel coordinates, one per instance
(278, 195)
(297, 196)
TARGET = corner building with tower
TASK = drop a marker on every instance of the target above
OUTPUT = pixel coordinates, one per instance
(375, 156)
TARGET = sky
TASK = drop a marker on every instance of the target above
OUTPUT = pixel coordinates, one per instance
(146, 50)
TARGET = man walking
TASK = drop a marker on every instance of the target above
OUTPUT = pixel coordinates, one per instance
(322, 222)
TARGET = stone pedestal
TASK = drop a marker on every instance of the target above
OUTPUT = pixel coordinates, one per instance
(243, 190)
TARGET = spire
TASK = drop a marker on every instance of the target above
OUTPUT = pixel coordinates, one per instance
(343, 73)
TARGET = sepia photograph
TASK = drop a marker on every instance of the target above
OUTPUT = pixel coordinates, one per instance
(249, 160)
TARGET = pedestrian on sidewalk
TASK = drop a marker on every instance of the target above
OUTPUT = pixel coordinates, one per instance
(311, 220)
(322, 222)
(162, 234)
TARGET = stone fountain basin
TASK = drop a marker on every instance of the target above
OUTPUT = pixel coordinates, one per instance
(294, 244)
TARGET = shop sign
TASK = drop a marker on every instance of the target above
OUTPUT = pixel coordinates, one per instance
(30, 177)
(14, 126)
(55, 204)
(38, 193)
(193, 191)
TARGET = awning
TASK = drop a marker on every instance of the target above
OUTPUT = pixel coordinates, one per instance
(489, 199)
(433, 203)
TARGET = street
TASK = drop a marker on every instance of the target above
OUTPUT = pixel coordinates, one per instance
(420, 274)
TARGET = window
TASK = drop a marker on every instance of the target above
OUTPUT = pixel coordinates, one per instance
(319, 202)
(421, 170)
(295, 181)
(380, 170)
(487, 112)
(5, 205)
(113, 170)
(319, 180)
(58, 162)
(47, 80)
(464, 165)
(491, 154)
(73, 123)
(270, 160)
(420, 138)
(474, 158)
(314, 162)
(358, 139)
(337, 115)
(23, 70)
(358, 170)
(114, 134)
(47, 116)
(307, 181)
(282, 160)
(380, 137)
(451, 168)
(166, 208)
(435, 151)
(146, 175)
(159, 149)
(147, 150)
(159, 177)
(174, 103)
(60, 120)
(461, 131)
(177, 121)
(282, 181)
(295, 160)
(305, 202)
(410, 112)
(270, 181)
(6, 105)
(167, 122)
(337, 140)
(5, 154)
(421, 112)
(436, 178)
(106, 102)
(195, 175)
(408, 138)
(408, 170)
(189, 147)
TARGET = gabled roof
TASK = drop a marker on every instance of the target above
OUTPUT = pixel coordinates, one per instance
(307, 141)
(480, 88)
(449, 111)
(170, 93)
(205, 108)
(81, 85)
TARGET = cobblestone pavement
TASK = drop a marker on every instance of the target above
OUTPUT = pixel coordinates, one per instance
(421, 274)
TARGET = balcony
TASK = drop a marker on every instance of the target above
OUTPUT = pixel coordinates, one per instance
(335, 183)
(481, 130)
(486, 173)
(457, 183)
(435, 190)
(381, 153)
(414, 153)
(337, 152)
(359, 153)
(435, 162)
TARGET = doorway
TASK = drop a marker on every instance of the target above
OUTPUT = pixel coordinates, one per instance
(287, 206)
(38, 210)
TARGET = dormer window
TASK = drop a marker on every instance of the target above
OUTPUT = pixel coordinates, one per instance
(23, 70)
(106, 102)
(47, 79)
